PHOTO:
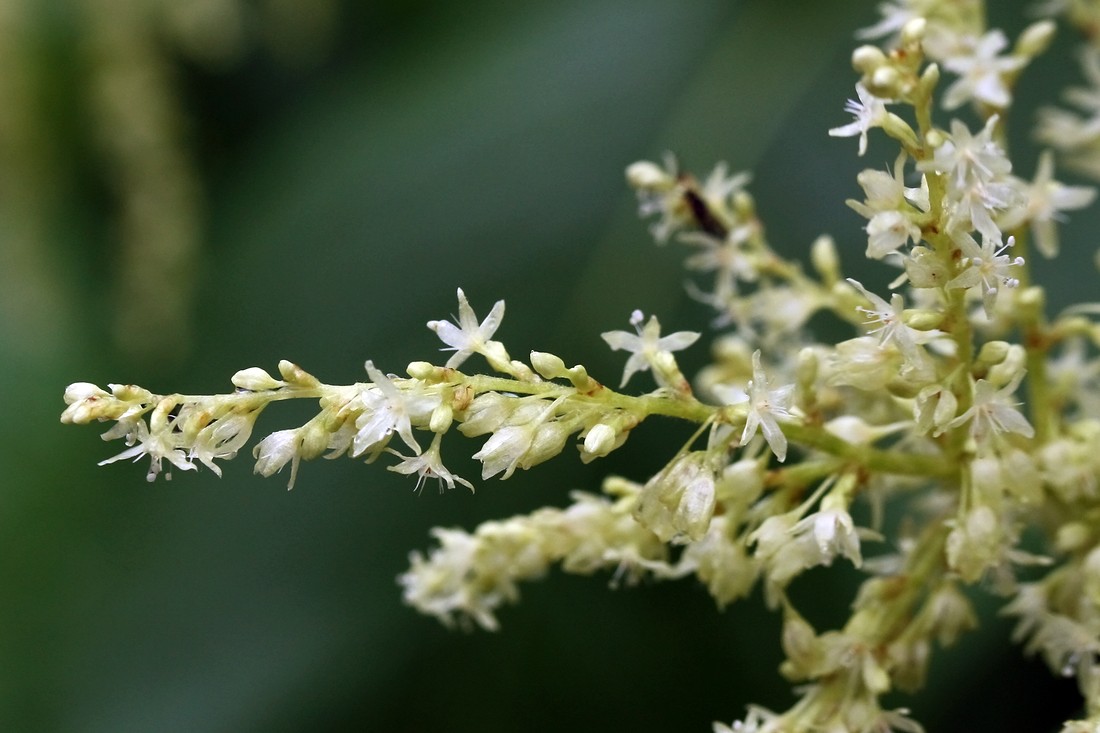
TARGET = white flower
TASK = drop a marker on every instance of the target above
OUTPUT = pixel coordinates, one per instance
(428, 464)
(888, 205)
(934, 409)
(523, 444)
(869, 111)
(1044, 199)
(862, 363)
(158, 444)
(222, 438)
(967, 158)
(975, 544)
(647, 346)
(724, 257)
(894, 17)
(275, 451)
(985, 266)
(831, 532)
(385, 411)
(981, 72)
(992, 414)
(765, 405)
(469, 337)
(889, 315)
(678, 502)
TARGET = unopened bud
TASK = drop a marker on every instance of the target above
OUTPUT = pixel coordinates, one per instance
(646, 175)
(1036, 38)
(825, 260)
(255, 379)
(929, 79)
(920, 319)
(993, 352)
(600, 440)
(547, 365)
(297, 376)
(913, 31)
(866, 59)
(884, 81)
(422, 370)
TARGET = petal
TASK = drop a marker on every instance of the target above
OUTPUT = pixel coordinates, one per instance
(621, 340)
(777, 441)
(492, 321)
(677, 341)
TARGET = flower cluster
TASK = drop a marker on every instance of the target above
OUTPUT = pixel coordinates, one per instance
(955, 398)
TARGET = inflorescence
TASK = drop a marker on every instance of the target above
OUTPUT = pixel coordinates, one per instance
(957, 398)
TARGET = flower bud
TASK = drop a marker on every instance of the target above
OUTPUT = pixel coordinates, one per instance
(548, 441)
(578, 375)
(547, 365)
(255, 379)
(423, 370)
(1036, 38)
(866, 59)
(913, 31)
(825, 260)
(600, 440)
(993, 352)
(275, 451)
(920, 319)
(314, 440)
(647, 175)
(297, 376)
(883, 82)
(441, 419)
(929, 79)
(678, 502)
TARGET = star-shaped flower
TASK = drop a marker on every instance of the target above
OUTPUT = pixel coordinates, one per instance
(468, 337)
(992, 413)
(428, 464)
(982, 72)
(986, 266)
(647, 345)
(765, 405)
(869, 111)
(1045, 199)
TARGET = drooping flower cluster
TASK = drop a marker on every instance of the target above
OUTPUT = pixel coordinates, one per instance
(955, 398)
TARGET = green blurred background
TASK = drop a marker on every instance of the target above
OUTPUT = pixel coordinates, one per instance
(193, 187)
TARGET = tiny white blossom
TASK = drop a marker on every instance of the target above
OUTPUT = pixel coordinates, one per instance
(222, 439)
(892, 326)
(888, 204)
(526, 441)
(985, 267)
(982, 72)
(1044, 200)
(277, 450)
(869, 111)
(386, 411)
(677, 503)
(894, 17)
(647, 344)
(832, 532)
(662, 191)
(966, 158)
(468, 337)
(992, 413)
(765, 405)
(428, 464)
(158, 445)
